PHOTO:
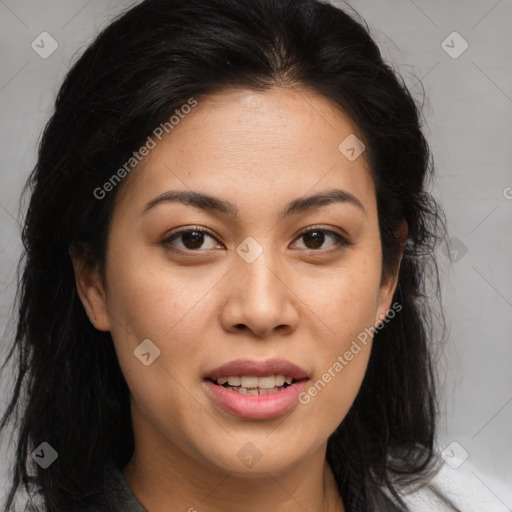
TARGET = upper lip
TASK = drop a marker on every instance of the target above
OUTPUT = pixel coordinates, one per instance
(252, 367)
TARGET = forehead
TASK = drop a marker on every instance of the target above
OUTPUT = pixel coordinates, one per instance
(254, 145)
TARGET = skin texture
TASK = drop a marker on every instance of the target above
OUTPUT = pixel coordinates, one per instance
(207, 306)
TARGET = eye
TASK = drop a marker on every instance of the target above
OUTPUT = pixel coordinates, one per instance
(190, 239)
(314, 238)
(193, 239)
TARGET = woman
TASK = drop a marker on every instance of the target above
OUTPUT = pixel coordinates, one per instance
(222, 299)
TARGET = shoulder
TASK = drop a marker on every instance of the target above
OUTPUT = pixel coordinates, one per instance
(466, 487)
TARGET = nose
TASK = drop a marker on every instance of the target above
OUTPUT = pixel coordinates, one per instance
(260, 297)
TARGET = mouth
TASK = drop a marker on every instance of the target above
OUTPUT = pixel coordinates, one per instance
(256, 390)
(254, 385)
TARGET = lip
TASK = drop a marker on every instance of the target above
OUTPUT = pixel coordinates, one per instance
(258, 369)
(256, 407)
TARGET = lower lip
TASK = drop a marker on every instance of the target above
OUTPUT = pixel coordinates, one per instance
(255, 407)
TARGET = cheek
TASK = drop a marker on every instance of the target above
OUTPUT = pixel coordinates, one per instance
(345, 304)
(172, 310)
(169, 307)
(162, 396)
(330, 394)
(341, 361)
(344, 300)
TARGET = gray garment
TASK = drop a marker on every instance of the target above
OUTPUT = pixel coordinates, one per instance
(115, 495)
(111, 494)
(119, 495)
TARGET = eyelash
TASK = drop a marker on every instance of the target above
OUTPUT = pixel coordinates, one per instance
(341, 241)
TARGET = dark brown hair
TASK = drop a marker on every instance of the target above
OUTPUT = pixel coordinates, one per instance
(137, 72)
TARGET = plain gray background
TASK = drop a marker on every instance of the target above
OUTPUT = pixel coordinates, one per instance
(468, 114)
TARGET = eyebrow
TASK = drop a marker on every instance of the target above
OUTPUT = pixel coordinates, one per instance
(210, 203)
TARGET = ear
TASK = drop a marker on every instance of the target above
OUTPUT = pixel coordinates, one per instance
(90, 289)
(388, 286)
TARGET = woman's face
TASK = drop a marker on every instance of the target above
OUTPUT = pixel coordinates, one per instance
(273, 278)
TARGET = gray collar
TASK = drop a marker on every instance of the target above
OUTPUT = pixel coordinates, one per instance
(119, 494)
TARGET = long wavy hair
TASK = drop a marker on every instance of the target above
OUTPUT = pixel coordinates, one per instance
(69, 390)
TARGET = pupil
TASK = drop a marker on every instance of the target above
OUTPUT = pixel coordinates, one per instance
(193, 239)
(317, 237)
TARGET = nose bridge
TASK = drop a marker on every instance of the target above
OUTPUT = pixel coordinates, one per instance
(258, 297)
(256, 271)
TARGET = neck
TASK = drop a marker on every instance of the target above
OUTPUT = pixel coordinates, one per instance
(160, 484)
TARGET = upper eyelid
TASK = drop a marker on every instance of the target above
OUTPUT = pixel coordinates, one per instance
(320, 228)
(298, 235)
(179, 231)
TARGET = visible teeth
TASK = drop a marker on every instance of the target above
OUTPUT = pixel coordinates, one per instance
(255, 391)
(280, 380)
(268, 382)
(251, 381)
